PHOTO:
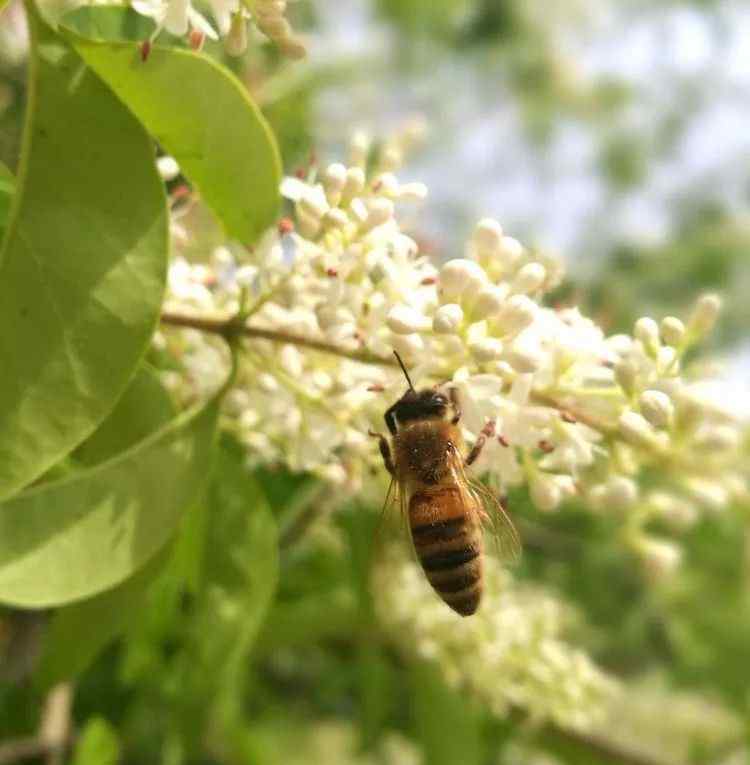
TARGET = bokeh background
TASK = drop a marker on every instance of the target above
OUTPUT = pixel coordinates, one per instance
(615, 133)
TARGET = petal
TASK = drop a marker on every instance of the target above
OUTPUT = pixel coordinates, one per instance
(197, 21)
(176, 18)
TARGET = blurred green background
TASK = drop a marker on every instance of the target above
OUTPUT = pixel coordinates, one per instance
(615, 133)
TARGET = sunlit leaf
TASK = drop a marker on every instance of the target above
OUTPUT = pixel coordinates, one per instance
(68, 540)
(98, 744)
(144, 408)
(7, 188)
(202, 115)
(83, 263)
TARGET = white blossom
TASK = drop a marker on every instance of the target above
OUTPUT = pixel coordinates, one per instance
(576, 413)
(509, 654)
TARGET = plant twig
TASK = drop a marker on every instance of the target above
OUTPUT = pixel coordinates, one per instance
(54, 735)
(229, 327)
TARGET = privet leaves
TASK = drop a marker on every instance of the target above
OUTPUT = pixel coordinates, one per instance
(71, 539)
(83, 263)
(202, 116)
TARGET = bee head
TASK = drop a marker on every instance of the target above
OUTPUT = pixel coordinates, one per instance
(427, 403)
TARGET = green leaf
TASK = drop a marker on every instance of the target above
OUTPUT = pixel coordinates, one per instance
(109, 22)
(65, 541)
(447, 724)
(78, 632)
(239, 579)
(98, 744)
(83, 264)
(144, 408)
(202, 115)
(7, 189)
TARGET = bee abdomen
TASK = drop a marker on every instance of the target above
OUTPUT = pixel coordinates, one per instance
(450, 551)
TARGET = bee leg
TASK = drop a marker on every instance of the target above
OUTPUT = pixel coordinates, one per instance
(453, 393)
(487, 432)
(385, 451)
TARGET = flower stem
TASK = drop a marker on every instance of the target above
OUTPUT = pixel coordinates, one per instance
(229, 327)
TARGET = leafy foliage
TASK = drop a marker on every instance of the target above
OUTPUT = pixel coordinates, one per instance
(212, 611)
(78, 277)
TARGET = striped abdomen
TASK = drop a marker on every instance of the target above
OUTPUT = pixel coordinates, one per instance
(448, 542)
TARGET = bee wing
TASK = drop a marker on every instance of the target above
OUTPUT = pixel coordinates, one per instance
(395, 497)
(491, 512)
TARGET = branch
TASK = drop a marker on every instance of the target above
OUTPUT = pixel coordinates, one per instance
(54, 735)
(231, 327)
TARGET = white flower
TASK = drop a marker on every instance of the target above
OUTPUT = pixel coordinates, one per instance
(509, 654)
(448, 318)
(176, 16)
(657, 408)
(672, 331)
(574, 411)
(660, 557)
(704, 315)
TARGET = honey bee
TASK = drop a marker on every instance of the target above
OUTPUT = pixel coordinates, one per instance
(444, 507)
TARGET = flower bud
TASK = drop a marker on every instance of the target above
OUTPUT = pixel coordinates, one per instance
(379, 211)
(313, 203)
(460, 274)
(391, 158)
(335, 218)
(626, 374)
(291, 360)
(677, 512)
(355, 182)
(529, 279)
(647, 331)
(334, 180)
(489, 301)
(448, 319)
(358, 210)
(637, 431)
(620, 492)
(710, 494)
(510, 249)
(672, 331)
(487, 349)
(517, 314)
(403, 320)
(717, 438)
(545, 492)
(292, 46)
(660, 557)
(386, 184)
(412, 192)
(168, 168)
(704, 315)
(275, 27)
(408, 346)
(235, 43)
(359, 147)
(488, 235)
(657, 408)
(523, 358)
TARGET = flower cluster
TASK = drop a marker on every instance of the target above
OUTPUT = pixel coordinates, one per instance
(180, 18)
(339, 285)
(510, 654)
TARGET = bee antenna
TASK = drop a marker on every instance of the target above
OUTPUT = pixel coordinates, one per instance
(401, 364)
